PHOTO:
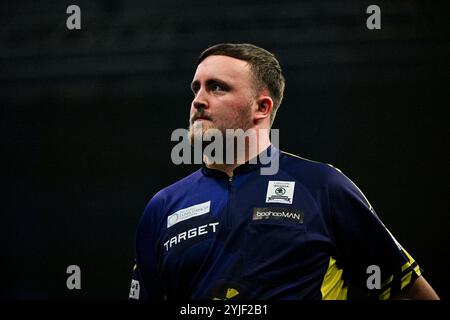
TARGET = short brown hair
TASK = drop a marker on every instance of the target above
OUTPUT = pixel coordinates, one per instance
(265, 68)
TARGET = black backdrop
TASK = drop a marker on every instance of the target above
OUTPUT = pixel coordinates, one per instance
(86, 118)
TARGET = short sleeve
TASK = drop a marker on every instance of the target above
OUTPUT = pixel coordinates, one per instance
(137, 292)
(364, 245)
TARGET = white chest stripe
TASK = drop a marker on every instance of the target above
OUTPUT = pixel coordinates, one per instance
(187, 213)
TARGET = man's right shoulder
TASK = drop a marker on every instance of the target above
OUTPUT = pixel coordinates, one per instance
(181, 185)
(175, 190)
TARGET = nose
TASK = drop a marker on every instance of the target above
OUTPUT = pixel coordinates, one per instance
(200, 101)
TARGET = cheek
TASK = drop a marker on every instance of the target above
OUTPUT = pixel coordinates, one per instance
(240, 107)
(233, 106)
(229, 113)
(229, 108)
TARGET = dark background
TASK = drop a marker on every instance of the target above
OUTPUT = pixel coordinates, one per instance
(86, 118)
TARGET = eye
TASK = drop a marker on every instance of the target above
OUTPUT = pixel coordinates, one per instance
(216, 87)
(195, 89)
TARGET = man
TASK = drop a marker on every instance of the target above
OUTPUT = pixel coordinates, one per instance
(227, 231)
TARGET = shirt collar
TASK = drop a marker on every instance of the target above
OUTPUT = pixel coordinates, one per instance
(270, 151)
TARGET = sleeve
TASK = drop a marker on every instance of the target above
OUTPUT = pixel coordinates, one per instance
(370, 256)
(136, 292)
(145, 283)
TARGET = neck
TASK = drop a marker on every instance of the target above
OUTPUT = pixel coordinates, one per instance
(261, 143)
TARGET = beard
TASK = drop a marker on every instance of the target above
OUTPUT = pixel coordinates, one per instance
(199, 131)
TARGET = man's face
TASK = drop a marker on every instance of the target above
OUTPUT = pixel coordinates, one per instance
(224, 95)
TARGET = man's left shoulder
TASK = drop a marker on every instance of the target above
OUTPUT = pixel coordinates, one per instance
(309, 170)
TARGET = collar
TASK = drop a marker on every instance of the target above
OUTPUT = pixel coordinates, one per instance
(270, 151)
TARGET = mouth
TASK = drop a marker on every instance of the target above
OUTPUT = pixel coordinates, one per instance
(200, 119)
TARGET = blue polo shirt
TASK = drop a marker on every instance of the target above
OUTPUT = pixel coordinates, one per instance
(306, 232)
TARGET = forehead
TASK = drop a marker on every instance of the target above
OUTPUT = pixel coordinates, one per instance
(223, 67)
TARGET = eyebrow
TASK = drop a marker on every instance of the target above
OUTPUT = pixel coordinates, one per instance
(210, 82)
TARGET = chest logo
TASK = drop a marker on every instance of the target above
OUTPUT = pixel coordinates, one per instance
(188, 213)
(280, 192)
(278, 214)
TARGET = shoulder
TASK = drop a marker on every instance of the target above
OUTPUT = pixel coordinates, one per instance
(321, 176)
(166, 196)
(180, 186)
(309, 171)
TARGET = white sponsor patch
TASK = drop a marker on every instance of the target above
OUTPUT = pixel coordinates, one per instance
(280, 191)
(134, 290)
(191, 233)
(188, 213)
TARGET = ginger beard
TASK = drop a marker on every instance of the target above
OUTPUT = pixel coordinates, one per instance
(201, 130)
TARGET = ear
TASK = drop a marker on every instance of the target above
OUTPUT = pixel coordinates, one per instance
(265, 106)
